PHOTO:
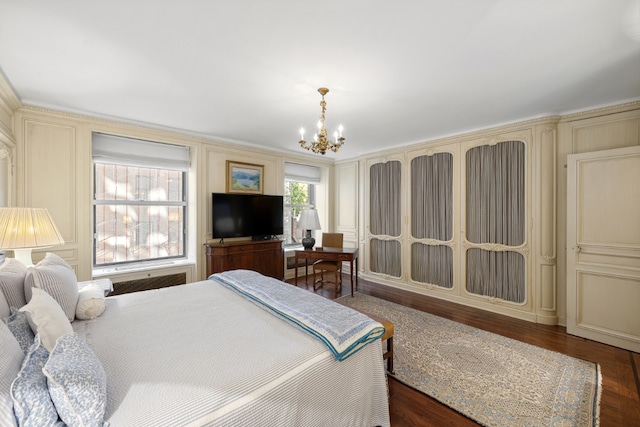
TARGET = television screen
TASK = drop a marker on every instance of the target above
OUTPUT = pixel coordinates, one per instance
(242, 215)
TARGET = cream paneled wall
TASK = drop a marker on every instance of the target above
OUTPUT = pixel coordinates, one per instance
(603, 129)
(549, 141)
(345, 190)
(214, 162)
(54, 170)
(538, 249)
(48, 163)
(8, 104)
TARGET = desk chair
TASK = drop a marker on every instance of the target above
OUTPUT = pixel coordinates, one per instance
(330, 240)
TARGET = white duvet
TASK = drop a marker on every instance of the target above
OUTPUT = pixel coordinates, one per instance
(200, 354)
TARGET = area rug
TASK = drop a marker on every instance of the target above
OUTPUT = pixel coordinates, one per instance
(493, 380)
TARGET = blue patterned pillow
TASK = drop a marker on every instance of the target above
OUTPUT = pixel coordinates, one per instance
(19, 326)
(11, 358)
(77, 382)
(31, 402)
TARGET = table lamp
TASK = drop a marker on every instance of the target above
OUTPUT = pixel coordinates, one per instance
(25, 229)
(309, 221)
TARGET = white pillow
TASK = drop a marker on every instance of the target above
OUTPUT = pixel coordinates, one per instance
(11, 357)
(5, 310)
(46, 318)
(91, 303)
(58, 279)
(12, 275)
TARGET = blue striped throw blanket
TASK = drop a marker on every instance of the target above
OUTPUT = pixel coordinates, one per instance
(342, 329)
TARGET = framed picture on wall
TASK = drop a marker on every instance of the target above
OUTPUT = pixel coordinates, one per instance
(244, 178)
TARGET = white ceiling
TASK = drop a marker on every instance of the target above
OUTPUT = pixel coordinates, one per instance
(399, 72)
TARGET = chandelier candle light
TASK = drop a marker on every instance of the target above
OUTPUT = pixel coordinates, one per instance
(320, 142)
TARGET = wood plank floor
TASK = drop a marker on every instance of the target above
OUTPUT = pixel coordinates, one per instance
(620, 404)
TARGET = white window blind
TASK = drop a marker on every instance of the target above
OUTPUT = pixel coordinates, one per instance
(137, 152)
(302, 173)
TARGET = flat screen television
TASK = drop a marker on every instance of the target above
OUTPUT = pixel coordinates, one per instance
(259, 216)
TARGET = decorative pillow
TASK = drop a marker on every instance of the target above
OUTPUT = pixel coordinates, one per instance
(91, 303)
(46, 318)
(31, 401)
(19, 326)
(12, 275)
(77, 382)
(5, 311)
(10, 360)
(58, 279)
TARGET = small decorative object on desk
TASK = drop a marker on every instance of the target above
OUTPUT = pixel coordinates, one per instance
(105, 284)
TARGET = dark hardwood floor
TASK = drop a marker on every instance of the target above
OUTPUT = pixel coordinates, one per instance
(620, 404)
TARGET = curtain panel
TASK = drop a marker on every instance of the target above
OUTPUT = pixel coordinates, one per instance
(385, 216)
(495, 214)
(432, 264)
(432, 218)
(495, 194)
(432, 197)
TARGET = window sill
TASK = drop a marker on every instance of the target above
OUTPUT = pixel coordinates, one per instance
(139, 267)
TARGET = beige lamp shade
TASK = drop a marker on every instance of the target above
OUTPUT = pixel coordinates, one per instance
(309, 220)
(24, 229)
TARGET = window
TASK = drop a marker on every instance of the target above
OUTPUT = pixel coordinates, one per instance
(299, 194)
(297, 197)
(140, 200)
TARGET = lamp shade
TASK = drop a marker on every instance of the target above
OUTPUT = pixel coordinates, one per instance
(309, 220)
(24, 229)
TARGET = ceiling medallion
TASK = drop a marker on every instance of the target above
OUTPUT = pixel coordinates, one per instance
(320, 142)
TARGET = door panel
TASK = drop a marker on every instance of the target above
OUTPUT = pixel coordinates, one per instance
(603, 246)
(621, 292)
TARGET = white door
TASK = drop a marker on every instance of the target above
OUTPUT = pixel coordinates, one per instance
(603, 246)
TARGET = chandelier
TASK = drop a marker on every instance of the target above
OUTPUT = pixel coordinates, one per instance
(320, 142)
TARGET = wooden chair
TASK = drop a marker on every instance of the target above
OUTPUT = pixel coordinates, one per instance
(330, 240)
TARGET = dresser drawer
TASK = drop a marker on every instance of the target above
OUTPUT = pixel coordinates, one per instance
(330, 256)
(241, 249)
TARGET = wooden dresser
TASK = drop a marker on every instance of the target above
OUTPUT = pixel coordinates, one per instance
(263, 256)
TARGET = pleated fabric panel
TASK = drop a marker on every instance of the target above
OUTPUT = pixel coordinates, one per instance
(496, 274)
(432, 264)
(432, 218)
(385, 205)
(495, 213)
(386, 257)
(385, 212)
(495, 194)
(432, 197)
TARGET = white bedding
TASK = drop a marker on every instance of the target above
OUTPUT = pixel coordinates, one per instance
(200, 354)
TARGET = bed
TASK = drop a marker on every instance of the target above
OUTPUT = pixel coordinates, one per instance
(207, 353)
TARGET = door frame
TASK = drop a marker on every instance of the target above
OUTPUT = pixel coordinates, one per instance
(578, 269)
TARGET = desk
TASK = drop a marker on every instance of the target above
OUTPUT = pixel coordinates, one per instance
(327, 254)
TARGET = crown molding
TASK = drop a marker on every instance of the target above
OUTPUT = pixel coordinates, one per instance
(8, 98)
(600, 111)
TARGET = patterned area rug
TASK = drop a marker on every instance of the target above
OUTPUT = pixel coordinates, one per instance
(491, 379)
